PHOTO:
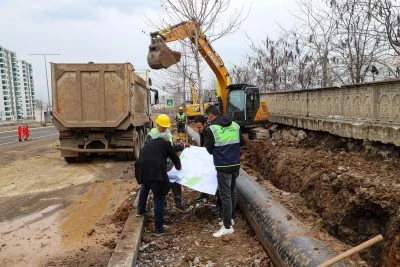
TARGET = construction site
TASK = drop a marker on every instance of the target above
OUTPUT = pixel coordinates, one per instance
(318, 183)
(340, 191)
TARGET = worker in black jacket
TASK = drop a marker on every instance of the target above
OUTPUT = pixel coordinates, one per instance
(223, 140)
(200, 124)
(151, 173)
(162, 124)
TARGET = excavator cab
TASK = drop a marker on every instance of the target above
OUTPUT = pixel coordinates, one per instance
(243, 103)
(160, 56)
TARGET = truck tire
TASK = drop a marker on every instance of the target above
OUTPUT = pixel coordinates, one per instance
(70, 159)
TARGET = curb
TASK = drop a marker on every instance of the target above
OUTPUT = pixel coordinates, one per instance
(282, 235)
(127, 249)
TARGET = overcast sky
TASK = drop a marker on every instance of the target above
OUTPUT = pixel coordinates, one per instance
(114, 31)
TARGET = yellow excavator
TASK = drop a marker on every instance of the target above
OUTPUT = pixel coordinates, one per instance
(193, 106)
(240, 101)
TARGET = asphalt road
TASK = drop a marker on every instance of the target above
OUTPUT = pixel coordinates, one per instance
(7, 138)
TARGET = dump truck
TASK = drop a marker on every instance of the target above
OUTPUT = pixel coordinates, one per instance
(101, 108)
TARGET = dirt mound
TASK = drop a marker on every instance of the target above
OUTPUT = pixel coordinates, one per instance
(122, 213)
(352, 185)
(190, 241)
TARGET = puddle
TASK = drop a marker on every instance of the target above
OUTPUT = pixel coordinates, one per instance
(26, 240)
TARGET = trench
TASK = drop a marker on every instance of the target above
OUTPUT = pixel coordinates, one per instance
(351, 187)
(281, 234)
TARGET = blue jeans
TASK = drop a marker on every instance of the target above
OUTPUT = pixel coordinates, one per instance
(181, 128)
(227, 193)
(159, 199)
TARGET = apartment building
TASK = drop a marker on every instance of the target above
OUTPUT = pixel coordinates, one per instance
(17, 92)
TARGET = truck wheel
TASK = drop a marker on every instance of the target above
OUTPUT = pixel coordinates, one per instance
(81, 158)
(70, 159)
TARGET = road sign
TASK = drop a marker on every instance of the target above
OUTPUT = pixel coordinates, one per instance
(169, 102)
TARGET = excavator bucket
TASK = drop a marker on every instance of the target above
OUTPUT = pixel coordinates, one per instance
(160, 56)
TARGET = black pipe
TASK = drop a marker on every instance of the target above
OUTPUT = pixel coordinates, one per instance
(281, 234)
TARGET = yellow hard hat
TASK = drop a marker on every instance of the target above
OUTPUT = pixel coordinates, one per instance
(163, 120)
(180, 108)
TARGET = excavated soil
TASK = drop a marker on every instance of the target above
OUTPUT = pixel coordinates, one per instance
(347, 188)
(190, 241)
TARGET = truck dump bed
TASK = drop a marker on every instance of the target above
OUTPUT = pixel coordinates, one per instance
(98, 96)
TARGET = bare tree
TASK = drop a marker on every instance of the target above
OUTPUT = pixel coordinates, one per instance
(387, 13)
(244, 73)
(316, 32)
(358, 42)
(334, 42)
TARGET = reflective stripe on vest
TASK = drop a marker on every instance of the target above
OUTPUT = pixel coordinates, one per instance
(226, 135)
(227, 145)
(181, 117)
(155, 132)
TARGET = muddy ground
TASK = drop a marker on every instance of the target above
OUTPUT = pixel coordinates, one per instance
(56, 214)
(347, 188)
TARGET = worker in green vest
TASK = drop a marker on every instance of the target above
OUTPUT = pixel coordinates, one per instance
(180, 123)
(162, 125)
(223, 140)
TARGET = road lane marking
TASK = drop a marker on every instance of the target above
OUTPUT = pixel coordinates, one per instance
(46, 135)
(9, 137)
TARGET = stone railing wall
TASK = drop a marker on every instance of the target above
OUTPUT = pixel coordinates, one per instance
(364, 111)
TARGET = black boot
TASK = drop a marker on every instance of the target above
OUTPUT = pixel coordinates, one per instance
(201, 197)
(179, 204)
(216, 210)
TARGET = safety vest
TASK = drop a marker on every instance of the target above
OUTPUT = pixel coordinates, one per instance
(226, 151)
(154, 134)
(180, 118)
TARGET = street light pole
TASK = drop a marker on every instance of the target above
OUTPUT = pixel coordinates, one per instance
(47, 79)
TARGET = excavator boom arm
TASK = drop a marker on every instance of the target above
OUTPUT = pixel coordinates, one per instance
(165, 58)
